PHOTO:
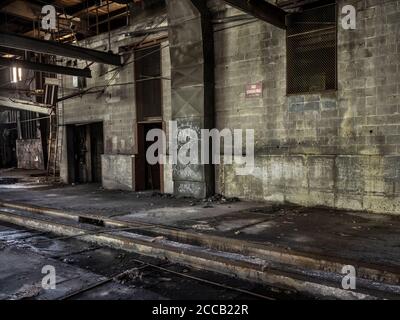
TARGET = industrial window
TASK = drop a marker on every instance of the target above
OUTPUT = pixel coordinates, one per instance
(79, 82)
(11, 116)
(28, 125)
(312, 51)
(15, 74)
(148, 83)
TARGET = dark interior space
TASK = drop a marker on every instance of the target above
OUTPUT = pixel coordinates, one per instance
(148, 176)
(149, 113)
(44, 134)
(8, 138)
(85, 145)
(97, 149)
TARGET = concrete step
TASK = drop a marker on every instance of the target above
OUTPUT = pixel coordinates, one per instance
(319, 284)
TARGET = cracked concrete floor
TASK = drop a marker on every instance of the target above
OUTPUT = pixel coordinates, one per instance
(360, 236)
(80, 265)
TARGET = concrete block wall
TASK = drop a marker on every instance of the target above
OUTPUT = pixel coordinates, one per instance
(338, 149)
(116, 107)
(118, 172)
(192, 85)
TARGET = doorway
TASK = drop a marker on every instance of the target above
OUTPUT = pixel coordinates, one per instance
(149, 177)
(8, 146)
(85, 145)
(148, 76)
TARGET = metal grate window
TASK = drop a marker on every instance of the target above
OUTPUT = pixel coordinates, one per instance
(11, 116)
(28, 125)
(312, 50)
(148, 83)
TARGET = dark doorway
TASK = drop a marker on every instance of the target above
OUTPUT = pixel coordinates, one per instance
(149, 114)
(45, 135)
(149, 177)
(8, 139)
(85, 145)
(97, 149)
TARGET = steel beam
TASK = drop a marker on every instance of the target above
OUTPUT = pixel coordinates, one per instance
(263, 10)
(48, 68)
(17, 41)
(24, 105)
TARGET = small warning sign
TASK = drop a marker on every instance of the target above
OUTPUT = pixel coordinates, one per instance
(254, 90)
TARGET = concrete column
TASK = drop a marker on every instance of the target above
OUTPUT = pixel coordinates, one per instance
(192, 72)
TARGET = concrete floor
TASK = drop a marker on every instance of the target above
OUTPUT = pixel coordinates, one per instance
(23, 254)
(79, 265)
(359, 236)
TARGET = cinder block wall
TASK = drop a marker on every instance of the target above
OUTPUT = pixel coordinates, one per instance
(116, 107)
(337, 149)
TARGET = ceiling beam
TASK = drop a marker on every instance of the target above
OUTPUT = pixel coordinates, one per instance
(24, 105)
(58, 49)
(261, 9)
(49, 68)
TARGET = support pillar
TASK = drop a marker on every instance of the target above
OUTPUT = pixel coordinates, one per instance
(192, 68)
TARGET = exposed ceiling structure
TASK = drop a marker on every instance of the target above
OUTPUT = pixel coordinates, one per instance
(78, 19)
(74, 16)
(20, 42)
(21, 34)
(24, 45)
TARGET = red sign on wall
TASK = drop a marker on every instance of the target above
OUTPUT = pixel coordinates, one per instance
(254, 90)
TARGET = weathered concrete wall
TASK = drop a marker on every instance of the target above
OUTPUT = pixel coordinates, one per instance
(116, 105)
(118, 172)
(192, 83)
(30, 154)
(336, 149)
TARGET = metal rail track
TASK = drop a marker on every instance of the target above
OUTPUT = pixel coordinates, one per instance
(142, 265)
(146, 265)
